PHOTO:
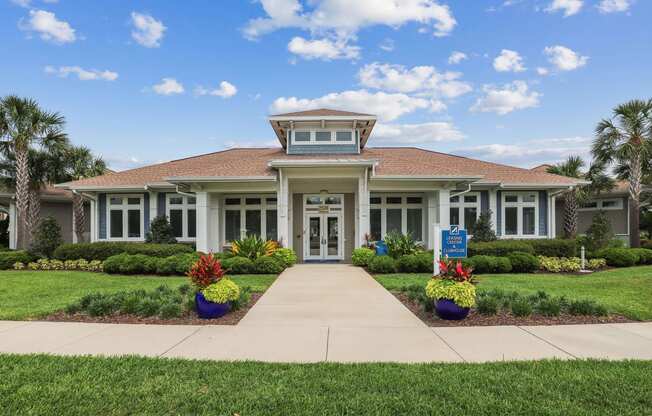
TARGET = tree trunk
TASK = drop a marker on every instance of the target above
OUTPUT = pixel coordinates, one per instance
(635, 202)
(22, 198)
(570, 214)
(34, 212)
(79, 217)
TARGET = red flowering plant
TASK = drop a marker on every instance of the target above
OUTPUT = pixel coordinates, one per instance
(455, 271)
(206, 271)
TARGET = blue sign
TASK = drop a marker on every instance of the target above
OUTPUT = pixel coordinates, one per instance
(453, 242)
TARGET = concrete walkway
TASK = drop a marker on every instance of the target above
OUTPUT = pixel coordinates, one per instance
(335, 313)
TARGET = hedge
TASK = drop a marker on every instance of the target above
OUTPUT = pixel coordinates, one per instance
(9, 258)
(125, 263)
(620, 257)
(523, 262)
(102, 250)
(489, 264)
(415, 263)
(499, 248)
(382, 264)
(556, 247)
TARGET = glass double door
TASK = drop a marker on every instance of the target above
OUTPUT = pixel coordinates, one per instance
(324, 237)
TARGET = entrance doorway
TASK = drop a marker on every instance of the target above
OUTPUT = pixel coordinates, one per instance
(323, 227)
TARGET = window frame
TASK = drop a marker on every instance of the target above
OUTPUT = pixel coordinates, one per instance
(263, 207)
(313, 133)
(520, 205)
(184, 207)
(461, 204)
(600, 205)
(403, 206)
(125, 207)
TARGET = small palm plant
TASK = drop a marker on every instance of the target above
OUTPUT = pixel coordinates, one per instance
(253, 247)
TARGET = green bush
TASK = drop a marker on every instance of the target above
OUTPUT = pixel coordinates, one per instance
(554, 247)
(560, 264)
(382, 264)
(224, 290)
(521, 307)
(586, 307)
(644, 255)
(9, 258)
(399, 245)
(238, 265)
(47, 237)
(462, 293)
(104, 249)
(362, 256)
(483, 229)
(523, 262)
(488, 305)
(499, 248)
(130, 264)
(599, 233)
(286, 256)
(415, 263)
(619, 257)
(268, 265)
(490, 264)
(596, 264)
(549, 306)
(160, 231)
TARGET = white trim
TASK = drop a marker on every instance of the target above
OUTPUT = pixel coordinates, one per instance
(461, 204)
(125, 207)
(242, 207)
(519, 205)
(184, 207)
(320, 118)
(173, 179)
(600, 205)
(312, 140)
(334, 211)
(403, 206)
(309, 163)
(13, 234)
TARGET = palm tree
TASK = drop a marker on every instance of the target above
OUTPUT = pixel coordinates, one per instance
(22, 124)
(625, 141)
(597, 180)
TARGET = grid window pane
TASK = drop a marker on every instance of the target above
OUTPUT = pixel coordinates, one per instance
(192, 223)
(415, 223)
(529, 198)
(133, 201)
(323, 136)
(333, 200)
(529, 221)
(133, 223)
(232, 201)
(252, 222)
(609, 203)
(471, 198)
(192, 200)
(343, 136)
(393, 221)
(115, 201)
(232, 225)
(375, 200)
(375, 229)
(301, 136)
(470, 217)
(414, 200)
(511, 221)
(176, 222)
(271, 201)
(252, 201)
(313, 200)
(116, 223)
(455, 216)
(176, 200)
(394, 199)
(271, 230)
(455, 199)
(511, 198)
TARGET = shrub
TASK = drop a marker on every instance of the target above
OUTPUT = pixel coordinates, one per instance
(362, 256)
(238, 265)
(104, 249)
(286, 256)
(488, 305)
(523, 262)
(560, 264)
(267, 265)
(399, 245)
(243, 299)
(482, 230)
(9, 258)
(490, 264)
(499, 248)
(382, 264)
(599, 233)
(596, 264)
(554, 247)
(148, 307)
(206, 271)
(618, 257)
(253, 247)
(160, 231)
(170, 310)
(549, 306)
(644, 255)
(462, 293)
(415, 263)
(47, 237)
(521, 307)
(586, 307)
(224, 290)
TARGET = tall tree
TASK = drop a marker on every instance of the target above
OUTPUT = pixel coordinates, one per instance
(23, 124)
(625, 141)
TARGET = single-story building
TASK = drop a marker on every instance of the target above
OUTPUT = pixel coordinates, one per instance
(323, 192)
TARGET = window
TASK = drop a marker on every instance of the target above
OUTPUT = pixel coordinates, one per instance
(323, 136)
(344, 136)
(182, 213)
(396, 213)
(520, 212)
(250, 215)
(604, 204)
(125, 217)
(319, 136)
(465, 210)
(302, 136)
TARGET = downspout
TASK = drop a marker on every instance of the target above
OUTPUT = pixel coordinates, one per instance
(468, 189)
(193, 195)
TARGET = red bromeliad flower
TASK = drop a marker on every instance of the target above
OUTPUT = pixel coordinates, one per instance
(207, 270)
(454, 271)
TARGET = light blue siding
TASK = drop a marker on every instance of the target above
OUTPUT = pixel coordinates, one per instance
(303, 149)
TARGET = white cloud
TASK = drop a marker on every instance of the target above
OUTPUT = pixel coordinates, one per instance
(543, 71)
(423, 133)
(569, 7)
(387, 45)
(418, 79)
(48, 27)
(565, 59)
(82, 74)
(509, 61)
(325, 49)
(614, 6)
(225, 90)
(168, 86)
(384, 105)
(345, 18)
(148, 31)
(457, 57)
(505, 99)
(530, 153)
(22, 3)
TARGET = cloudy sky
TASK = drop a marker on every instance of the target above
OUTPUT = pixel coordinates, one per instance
(515, 81)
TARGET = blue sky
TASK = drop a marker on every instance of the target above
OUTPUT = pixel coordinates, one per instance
(520, 82)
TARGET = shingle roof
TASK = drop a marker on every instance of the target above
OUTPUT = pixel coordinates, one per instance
(322, 112)
(254, 162)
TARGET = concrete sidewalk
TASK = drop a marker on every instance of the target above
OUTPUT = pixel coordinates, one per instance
(307, 344)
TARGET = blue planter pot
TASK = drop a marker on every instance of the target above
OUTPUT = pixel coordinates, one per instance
(210, 310)
(447, 309)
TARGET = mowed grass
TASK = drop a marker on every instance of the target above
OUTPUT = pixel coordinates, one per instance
(33, 294)
(627, 291)
(49, 385)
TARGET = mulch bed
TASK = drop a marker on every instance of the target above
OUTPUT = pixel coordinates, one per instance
(505, 318)
(189, 318)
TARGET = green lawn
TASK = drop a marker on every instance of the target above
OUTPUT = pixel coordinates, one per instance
(32, 294)
(49, 385)
(627, 291)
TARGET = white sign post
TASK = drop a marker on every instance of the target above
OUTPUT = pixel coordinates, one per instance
(437, 248)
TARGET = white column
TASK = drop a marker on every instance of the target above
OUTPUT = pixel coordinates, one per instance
(432, 218)
(444, 208)
(94, 224)
(202, 221)
(363, 212)
(12, 224)
(553, 217)
(282, 197)
(214, 230)
(74, 224)
(493, 206)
